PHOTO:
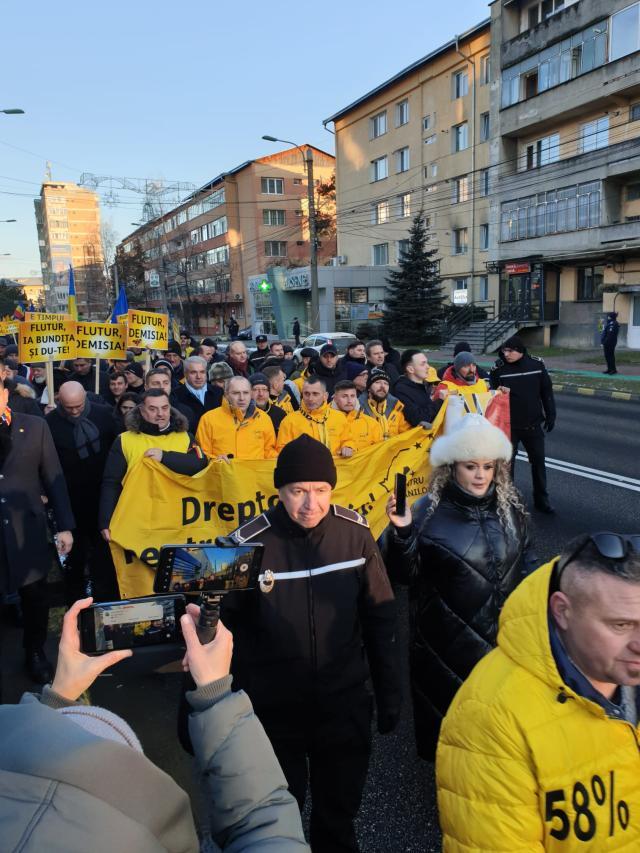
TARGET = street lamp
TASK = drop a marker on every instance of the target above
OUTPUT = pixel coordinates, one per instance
(307, 159)
(13, 112)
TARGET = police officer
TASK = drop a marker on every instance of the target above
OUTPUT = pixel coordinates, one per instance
(258, 356)
(298, 649)
(531, 404)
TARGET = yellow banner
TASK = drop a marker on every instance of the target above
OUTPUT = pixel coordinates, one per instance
(147, 329)
(44, 341)
(9, 327)
(158, 507)
(43, 317)
(100, 340)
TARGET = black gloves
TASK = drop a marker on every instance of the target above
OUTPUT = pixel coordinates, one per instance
(549, 424)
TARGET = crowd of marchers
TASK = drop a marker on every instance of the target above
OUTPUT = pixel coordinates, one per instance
(524, 679)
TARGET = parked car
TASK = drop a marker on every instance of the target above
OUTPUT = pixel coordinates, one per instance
(340, 340)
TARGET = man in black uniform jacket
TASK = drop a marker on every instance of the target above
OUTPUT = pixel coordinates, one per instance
(298, 650)
(531, 404)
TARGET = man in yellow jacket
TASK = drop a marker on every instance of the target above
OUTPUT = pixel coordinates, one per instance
(317, 419)
(365, 431)
(461, 377)
(237, 429)
(539, 750)
(382, 406)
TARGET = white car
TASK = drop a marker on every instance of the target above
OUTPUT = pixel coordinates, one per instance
(340, 340)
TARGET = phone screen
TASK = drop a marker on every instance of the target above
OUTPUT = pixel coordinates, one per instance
(132, 624)
(198, 568)
(401, 494)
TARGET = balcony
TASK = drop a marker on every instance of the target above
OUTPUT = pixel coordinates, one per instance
(620, 234)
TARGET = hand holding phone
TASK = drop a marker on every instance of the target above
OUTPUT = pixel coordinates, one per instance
(131, 623)
(208, 662)
(76, 671)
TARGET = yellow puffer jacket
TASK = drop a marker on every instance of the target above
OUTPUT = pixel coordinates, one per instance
(226, 432)
(526, 764)
(324, 424)
(365, 431)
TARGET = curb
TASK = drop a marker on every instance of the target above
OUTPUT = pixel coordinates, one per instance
(599, 393)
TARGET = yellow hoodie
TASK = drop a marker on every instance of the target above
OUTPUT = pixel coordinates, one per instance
(524, 763)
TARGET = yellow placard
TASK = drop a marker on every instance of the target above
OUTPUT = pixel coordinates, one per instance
(158, 507)
(147, 329)
(44, 317)
(45, 341)
(101, 340)
(9, 327)
(122, 318)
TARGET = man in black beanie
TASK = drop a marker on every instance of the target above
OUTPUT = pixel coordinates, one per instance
(298, 649)
(531, 405)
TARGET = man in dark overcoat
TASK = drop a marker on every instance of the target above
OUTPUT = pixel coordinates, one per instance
(30, 471)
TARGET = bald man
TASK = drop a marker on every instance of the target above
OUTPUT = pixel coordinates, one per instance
(83, 432)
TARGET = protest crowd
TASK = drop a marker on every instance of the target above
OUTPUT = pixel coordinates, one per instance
(524, 678)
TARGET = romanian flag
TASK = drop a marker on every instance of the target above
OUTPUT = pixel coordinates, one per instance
(72, 308)
(18, 313)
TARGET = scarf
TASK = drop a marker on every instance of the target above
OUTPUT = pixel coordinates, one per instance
(240, 368)
(85, 433)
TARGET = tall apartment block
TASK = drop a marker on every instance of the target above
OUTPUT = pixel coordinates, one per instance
(565, 162)
(68, 224)
(200, 255)
(420, 141)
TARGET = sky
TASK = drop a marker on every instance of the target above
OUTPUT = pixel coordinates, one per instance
(184, 91)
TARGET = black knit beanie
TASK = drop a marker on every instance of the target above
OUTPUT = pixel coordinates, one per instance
(305, 460)
(515, 343)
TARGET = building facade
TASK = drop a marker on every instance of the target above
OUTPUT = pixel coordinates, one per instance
(420, 141)
(68, 225)
(199, 256)
(565, 158)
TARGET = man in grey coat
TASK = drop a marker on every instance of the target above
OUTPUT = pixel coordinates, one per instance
(30, 470)
(74, 777)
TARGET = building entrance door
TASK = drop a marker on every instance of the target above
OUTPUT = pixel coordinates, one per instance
(633, 330)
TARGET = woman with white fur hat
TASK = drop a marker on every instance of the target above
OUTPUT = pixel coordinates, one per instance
(462, 550)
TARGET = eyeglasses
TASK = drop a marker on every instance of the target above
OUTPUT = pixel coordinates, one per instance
(612, 546)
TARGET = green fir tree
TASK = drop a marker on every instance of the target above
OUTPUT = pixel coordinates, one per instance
(414, 302)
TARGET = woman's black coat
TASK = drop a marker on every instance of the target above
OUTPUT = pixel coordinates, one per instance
(460, 568)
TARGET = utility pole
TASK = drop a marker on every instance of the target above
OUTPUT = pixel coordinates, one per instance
(313, 243)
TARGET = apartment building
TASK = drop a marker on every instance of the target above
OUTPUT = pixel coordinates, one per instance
(420, 141)
(565, 162)
(68, 226)
(200, 255)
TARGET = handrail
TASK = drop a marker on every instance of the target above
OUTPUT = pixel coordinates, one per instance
(466, 315)
(511, 315)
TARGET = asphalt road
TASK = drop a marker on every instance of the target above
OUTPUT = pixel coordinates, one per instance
(398, 811)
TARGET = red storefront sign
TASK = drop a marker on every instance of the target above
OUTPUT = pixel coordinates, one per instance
(517, 269)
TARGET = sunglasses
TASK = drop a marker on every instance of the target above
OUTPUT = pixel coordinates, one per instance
(612, 546)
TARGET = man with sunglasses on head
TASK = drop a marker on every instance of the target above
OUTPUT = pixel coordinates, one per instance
(540, 747)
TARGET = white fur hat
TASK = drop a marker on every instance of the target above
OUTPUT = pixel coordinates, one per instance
(472, 438)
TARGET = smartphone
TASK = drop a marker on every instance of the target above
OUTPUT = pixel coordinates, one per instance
(131, 624)
(400, 492)
(192, 569)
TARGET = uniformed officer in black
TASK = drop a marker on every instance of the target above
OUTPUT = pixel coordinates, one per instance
(531, 405)
(304, 651)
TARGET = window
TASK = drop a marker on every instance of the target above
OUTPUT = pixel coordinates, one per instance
(542, 152)
(634, 112)
(403, 248)
(275, 248)
(182, 217)
(273, 217)
(195, 236)
(483, 288)
(428, 121)
(625, 32)
(402, 160)
(378, 125)
(215, 228)
(460, 189)
(484, 236)
(460, 84)
(633, 192)
(430, 139)
(484, 127)
(460, 242)
(484, 182)
(555, 211)
(461, 283)
(213, 200)
(485, 70)
(590, 280)
(403, 206)
(193, 211)
(594, 135)
(217, 256)
(298, 214)
(562, 61)
(380, 212)
(402, 112)
(380, 254)
(379, 169)
(297, 182)
(272, 186)
(460, 136)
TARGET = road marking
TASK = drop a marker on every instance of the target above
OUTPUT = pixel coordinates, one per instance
(587, 392)
(607, 477)
(621, 395)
